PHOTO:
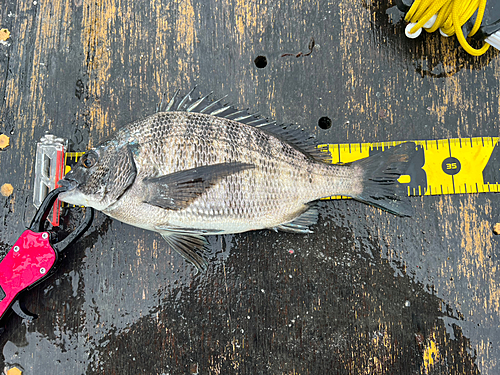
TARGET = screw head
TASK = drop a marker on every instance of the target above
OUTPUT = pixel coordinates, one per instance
(45, 235)
(42, 270)
(16, 249)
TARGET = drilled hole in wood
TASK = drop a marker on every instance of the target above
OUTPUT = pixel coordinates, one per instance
(260, 62)
(325, 123)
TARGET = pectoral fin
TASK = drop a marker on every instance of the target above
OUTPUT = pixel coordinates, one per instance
(177, 190)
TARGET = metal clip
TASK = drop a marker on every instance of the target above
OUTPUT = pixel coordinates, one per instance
(49, 169)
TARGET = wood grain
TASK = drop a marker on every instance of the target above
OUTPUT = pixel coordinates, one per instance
(367, 293)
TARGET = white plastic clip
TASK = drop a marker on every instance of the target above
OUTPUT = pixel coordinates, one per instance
(443, 33)
(408, 31)
(431, 22)
(417, 33)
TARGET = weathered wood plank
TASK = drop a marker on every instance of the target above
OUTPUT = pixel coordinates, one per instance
(367, 293)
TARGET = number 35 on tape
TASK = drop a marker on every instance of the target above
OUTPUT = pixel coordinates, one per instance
(445, 166)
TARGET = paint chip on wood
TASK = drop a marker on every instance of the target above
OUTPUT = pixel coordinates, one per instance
(13, 371)
(496, 228)
(4, 35)
(4, 141)
(6, 190)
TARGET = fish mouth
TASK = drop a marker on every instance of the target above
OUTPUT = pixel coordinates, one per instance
(68, 184)
(68, 190)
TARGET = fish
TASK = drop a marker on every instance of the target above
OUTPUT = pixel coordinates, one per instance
(197, 167)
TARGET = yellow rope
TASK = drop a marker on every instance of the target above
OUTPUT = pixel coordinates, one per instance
(451, 15)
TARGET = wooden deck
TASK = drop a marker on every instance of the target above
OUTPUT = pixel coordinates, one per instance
(367, 293)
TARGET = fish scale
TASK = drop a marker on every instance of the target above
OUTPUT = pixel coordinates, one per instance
(227, 142)
(187, 173)
(249, 204)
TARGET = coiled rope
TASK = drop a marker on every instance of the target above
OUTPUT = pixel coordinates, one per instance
(451, 15)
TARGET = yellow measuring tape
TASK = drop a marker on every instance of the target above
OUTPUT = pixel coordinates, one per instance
(444, 166)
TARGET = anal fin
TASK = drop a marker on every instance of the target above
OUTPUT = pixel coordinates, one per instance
(301, 223)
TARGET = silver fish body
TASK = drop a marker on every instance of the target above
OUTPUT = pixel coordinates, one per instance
(188, 174)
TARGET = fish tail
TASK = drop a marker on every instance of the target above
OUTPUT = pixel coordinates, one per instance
(380, 174)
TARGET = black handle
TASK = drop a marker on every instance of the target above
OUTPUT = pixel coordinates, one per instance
(73, 236)
(41, 215)
(44, 209)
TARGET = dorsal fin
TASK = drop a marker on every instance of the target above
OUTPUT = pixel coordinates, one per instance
(291, 134)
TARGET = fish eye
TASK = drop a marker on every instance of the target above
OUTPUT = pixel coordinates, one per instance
(89, 159)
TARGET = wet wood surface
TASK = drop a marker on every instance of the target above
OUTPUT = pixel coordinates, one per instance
(366, 293)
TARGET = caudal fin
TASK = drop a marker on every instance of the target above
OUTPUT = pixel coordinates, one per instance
(380, 174)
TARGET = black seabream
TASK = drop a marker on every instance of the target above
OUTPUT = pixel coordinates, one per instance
(198, 168)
